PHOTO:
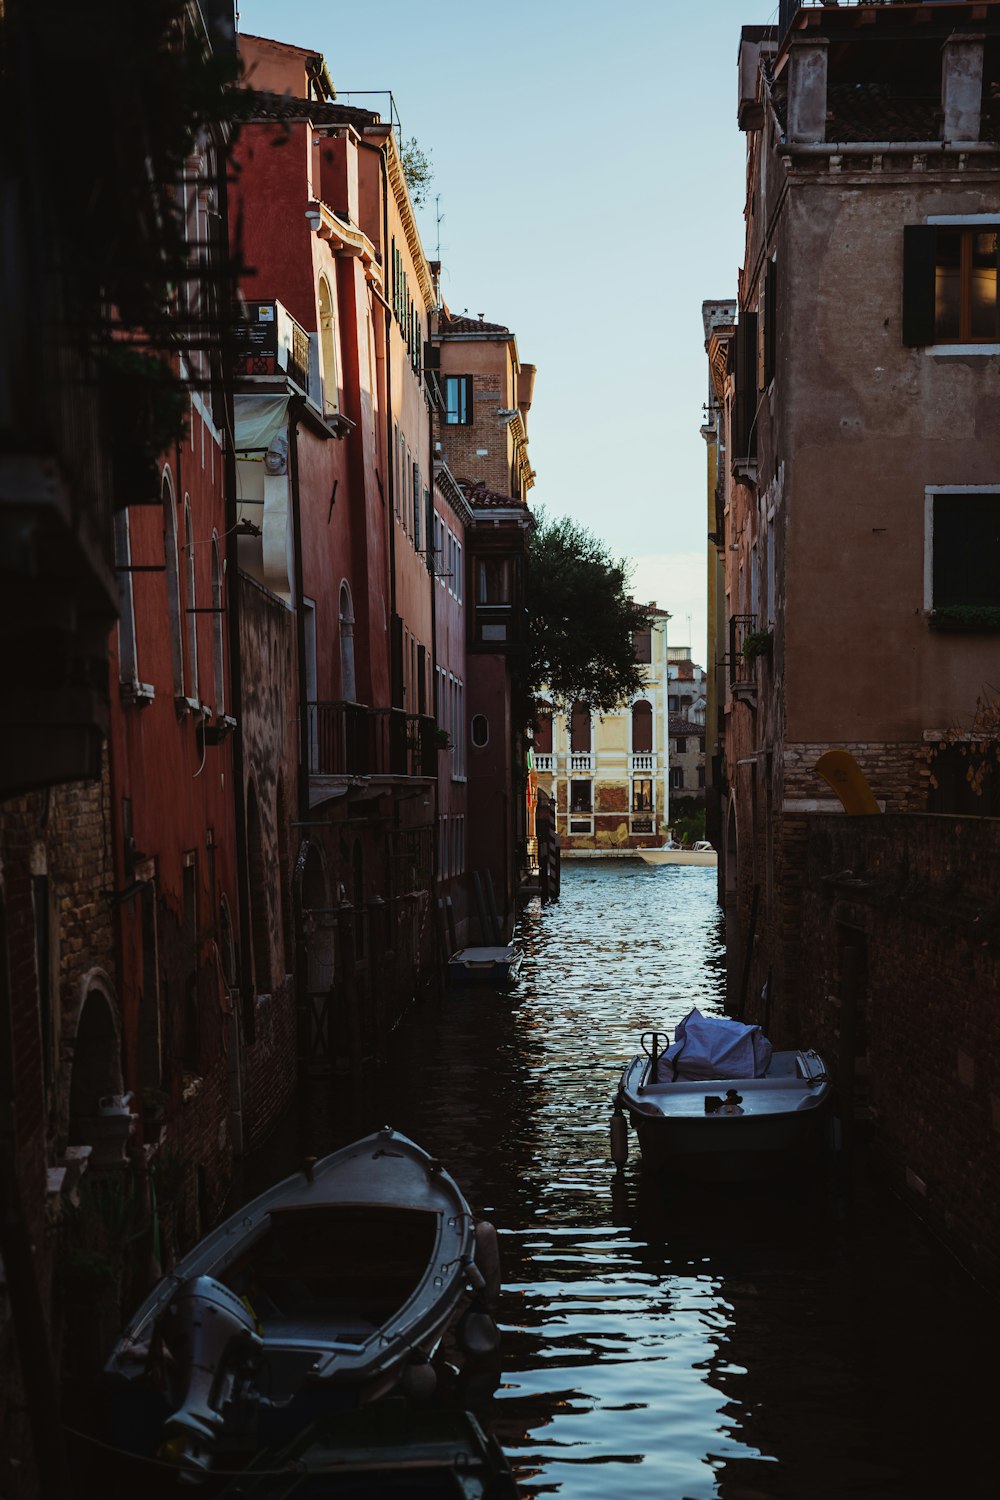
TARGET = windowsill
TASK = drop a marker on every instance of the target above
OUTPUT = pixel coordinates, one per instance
(185, 705)
(948, 625)
(138, 694)
(963, 351)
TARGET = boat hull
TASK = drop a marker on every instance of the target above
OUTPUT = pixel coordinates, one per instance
(678, 856)
(779, 1126)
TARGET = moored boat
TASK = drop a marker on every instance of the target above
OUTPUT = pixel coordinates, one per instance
(720, 1104)
(498, 966)
(321, 1294)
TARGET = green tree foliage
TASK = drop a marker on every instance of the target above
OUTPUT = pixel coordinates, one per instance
(580, 618)
(417, 169)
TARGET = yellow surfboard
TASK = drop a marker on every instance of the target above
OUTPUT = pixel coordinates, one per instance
(841, 771)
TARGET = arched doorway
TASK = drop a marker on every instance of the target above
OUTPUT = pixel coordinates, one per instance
(99, 1114)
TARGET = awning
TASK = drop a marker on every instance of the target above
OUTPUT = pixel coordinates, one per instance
(257, 421)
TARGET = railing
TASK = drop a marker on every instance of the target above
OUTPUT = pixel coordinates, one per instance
(740, 669)
(580, 760)
(544, 762)
(644, 762)
(789, 8)
(273, 343)
(350, 739)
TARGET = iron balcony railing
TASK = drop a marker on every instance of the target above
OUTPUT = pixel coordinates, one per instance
(350, 739)
(789, 9)
(740, 668)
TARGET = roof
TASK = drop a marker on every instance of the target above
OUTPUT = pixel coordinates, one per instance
(481, 498)
(267, 105)
(680, 724)
(448, 323)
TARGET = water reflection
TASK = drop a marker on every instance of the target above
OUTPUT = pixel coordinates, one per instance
(659, 1343)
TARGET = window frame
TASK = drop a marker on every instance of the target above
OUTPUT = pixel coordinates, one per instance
(465, 410)
(931, 492)
(919, 284)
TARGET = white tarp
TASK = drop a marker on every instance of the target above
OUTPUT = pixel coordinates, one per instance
(715, 1047)
(257, 422)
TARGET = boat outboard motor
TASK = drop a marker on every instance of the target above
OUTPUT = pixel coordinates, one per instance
(212, 1337)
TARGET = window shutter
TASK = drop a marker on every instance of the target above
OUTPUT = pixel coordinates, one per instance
(919, 245)
(770, 320)
(744, 434)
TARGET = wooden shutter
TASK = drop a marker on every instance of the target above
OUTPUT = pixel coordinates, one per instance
(396, 660)
(744, 433)
(919, 250)
(770, 320)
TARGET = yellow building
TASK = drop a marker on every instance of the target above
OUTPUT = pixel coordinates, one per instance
(608, 774)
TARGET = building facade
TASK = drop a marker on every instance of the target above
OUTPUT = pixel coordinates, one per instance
(609, 775)
(862, 485)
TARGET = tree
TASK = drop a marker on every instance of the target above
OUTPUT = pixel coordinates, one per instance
(580, 618)
(417, 169)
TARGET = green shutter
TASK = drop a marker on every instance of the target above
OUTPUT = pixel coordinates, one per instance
(919, 249)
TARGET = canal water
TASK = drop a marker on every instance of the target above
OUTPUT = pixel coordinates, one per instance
(805, 1342)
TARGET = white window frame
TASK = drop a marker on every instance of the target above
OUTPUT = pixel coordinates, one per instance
(930, 490)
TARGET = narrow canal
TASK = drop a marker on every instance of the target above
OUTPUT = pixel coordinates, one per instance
(806, 1343)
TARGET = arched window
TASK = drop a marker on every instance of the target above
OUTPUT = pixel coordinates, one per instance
(348, 683)
(260, 915)
(172, 570)
(543, 729)
(218, 631)
(328, 349)
(579, 728)
(192, 600)
(642, 727)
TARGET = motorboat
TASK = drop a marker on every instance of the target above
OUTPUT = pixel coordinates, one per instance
(389, 1449)
(498, 966)
(700, 854)
(719, 1103)
(326, 1292)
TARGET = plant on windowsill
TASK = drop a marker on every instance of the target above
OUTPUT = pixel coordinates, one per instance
(958, 617)
(442, 739)
(757, 643)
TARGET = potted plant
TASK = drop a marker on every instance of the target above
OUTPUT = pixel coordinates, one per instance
(757, 643)
(442, 739)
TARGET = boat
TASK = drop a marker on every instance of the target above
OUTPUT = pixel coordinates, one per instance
(701, 854)
(389, 1450)
(498, 966)
(326, 1292)
(720, 1104)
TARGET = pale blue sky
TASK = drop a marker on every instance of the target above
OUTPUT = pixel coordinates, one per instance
(591, 178)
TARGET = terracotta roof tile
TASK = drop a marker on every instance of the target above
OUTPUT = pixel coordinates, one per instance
(286, 107)
(452, 323)
(481, 498)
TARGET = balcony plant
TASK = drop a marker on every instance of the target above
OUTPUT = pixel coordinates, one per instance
(757, 643)
(442, 739)
(965, 617)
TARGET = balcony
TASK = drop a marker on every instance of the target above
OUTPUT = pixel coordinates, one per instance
(742, 667)
(349, 741)
(543, 762)
(644, 762)
(581, 760)
(270, 343)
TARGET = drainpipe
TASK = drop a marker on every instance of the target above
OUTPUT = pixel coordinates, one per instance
(302, 801)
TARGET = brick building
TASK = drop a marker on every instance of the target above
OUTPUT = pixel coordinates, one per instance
(860, 491)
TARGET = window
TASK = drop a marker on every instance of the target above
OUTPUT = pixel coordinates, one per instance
(172, 568)
(457, 584)
(480, 730)
(128, 669)
(192, 602)
(348, 683)
(579, 728)
(458, 400)
(417, 527)
(950, 284)
(395, 468)
(642, 727)
(581, 796)
(673, 703)
(494, 580)
(963, 562)
(676, 778)
(642, 644)
(328, 349)
(682, 745)
(218, 630)
(543, 731)
(642, 794)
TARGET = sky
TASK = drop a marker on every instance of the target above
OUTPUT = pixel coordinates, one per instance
(589, 175)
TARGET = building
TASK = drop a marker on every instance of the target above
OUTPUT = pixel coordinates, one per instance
(719, 323)
(481, 435)
(862, 486)
(609, 775)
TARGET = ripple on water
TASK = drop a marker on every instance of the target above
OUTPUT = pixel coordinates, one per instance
(657, 1344)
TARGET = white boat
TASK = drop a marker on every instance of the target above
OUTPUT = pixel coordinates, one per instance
(667, 856)
(730, 1110)
(498, 966)
(320, 1294)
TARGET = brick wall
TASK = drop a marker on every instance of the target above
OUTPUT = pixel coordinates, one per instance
(898, 774)
(919, 895)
